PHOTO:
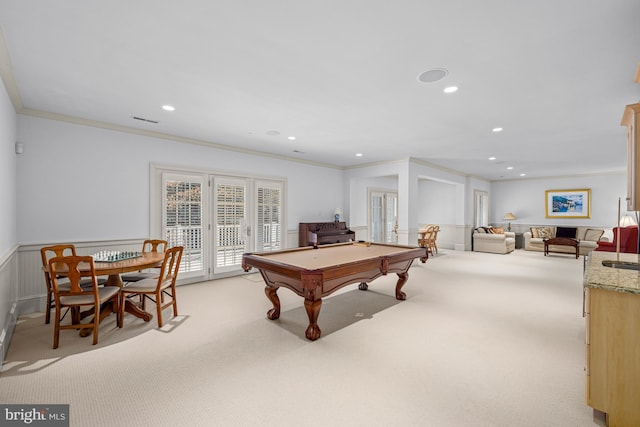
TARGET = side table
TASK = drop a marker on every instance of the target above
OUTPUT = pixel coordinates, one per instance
(561, 241)
(519, 240)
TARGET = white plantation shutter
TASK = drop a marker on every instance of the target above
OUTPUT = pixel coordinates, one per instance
(216, 217)
(182, 218)
(269, 216)
(230, 223)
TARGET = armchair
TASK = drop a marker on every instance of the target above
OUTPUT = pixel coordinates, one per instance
(628, 240)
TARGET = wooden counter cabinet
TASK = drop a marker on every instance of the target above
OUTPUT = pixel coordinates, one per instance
(613, 355)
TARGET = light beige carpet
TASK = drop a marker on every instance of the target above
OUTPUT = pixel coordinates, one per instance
(482, 340)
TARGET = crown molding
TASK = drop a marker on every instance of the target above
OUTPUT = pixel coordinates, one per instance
(6, 73)
(161, 135)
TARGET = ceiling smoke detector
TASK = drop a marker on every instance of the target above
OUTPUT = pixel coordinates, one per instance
(433, 75)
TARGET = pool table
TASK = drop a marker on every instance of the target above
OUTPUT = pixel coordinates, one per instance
(314, 273)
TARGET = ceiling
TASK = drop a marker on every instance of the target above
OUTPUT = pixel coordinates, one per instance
(342, 77)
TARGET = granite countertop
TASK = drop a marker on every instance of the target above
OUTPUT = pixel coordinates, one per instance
(613, 279)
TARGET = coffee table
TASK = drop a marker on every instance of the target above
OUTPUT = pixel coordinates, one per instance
(561, 241)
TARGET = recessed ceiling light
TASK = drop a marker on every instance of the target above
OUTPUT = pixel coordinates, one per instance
(497, 129)
(509, 168)
(492, 158)
(291, 138)
(168, 108)
(273, 132)
(523, 174)
(359, 154)
(450, 89)
(433, 75)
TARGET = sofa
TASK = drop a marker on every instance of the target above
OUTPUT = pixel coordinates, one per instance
(493, 240)
(628, 241)
(588, 238)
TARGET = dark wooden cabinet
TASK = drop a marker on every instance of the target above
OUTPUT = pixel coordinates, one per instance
(324, 233)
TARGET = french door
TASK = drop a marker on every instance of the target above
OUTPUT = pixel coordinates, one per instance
(383, 216)
(231, 227)
(217, 218)
(182, 220)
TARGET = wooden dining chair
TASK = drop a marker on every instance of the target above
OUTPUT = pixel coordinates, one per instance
(427, 238)
(150, 245)
(424, 235)
(49, 252)
(160, 289)
(75, 296)
(432, 243)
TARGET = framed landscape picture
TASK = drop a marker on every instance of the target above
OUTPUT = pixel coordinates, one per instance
(568, 203)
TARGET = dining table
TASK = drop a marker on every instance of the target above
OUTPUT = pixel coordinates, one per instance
(113, 269)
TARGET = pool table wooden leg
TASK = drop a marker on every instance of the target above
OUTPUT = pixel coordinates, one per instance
(313, 309)
(402, 279)
(271, 293)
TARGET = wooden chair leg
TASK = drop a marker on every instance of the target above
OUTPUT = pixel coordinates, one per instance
(47, 316)
(96, 324)
(175, 302)
(159, 308)
(56, 329)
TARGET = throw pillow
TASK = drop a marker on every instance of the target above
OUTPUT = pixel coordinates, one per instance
(593, 235)
(566, 232)
(497, 230)
(545, 232)
(542, 232)
(480, 230)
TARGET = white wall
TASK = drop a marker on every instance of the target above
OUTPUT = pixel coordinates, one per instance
(8, 136)
(80, 183)
(359, 210)
(437, 202)
(8, 214)
(526, 200)
(418, 201)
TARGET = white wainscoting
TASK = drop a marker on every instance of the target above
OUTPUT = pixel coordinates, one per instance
(32, 291)
(8, 299)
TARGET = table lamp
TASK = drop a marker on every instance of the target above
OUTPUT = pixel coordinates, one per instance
(626, 221)
(509, 217)
(336, 214)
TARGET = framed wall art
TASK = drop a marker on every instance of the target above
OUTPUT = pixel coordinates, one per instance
(568, 203)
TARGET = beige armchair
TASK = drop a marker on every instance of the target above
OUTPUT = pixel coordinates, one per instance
(496, 243)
